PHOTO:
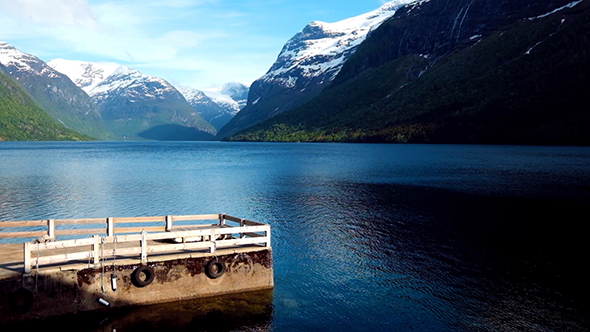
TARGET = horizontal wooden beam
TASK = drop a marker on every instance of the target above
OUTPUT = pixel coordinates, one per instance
(81, 221)
(24, 223)
(196, 217)
(128, 230)
(6, 235)
(81, 231)
(138, 219)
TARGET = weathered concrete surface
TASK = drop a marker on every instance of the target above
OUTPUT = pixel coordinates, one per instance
(71, 291)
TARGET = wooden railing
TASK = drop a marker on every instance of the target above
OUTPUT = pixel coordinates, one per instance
(208, 237)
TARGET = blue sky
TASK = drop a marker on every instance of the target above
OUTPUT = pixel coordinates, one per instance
(198, 43)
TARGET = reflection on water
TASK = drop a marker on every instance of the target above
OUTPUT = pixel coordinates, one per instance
(365, 237)
(251, 311)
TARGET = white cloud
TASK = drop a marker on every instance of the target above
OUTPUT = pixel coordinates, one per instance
(195, 42)
(72, 13)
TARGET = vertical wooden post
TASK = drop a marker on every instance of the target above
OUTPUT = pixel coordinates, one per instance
(51, 229)
(27, 257)
(242, 235)
(168, 223)
(95, 249)
(221, 219)
(267, 233)
(143, 247)
(213, 239)
(110, 227)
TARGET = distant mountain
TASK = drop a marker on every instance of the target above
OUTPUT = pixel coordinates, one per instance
(218, 112)
(136, 105)
(55, 92)
(457, 71)
(22, 119)
(307, 63)
(238, 92)
(86, 75)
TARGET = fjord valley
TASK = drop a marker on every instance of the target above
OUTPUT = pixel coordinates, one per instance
(482, 231)
(437, 71)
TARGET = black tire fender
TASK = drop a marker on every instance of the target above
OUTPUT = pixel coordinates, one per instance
(215, 268)
(143, 276)
(20, 301)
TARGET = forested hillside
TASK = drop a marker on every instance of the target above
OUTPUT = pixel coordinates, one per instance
(22, 119)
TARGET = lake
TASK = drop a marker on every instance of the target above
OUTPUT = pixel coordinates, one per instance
(365, 237)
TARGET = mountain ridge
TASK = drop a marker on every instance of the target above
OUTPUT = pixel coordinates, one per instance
(54, 92)
(135, 105)
(305, 65)
(491, 85)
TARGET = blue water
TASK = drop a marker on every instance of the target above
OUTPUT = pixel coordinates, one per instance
(365, 237)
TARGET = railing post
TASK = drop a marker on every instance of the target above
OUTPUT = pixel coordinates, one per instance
(51, 229)
(110, 227)
(27, 257)
(242, 235)
(168, 223)
(267, 233)
(213, 238)
(95, 249)
(143, 247)
(221, 219)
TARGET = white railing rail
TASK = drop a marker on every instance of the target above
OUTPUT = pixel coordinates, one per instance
(117, 242)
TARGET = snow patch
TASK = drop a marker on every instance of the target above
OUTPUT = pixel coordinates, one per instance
(86, 75)
(322, 47)
(569, 5)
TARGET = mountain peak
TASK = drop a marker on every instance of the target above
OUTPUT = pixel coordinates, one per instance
(306, 64)
(86, 75)
(322, 47)
(11, 56)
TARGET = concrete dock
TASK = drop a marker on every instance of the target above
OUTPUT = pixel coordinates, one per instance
(129, 266)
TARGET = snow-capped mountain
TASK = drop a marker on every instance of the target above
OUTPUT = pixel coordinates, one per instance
(456, 71)
(217, 106)
(54, 91)
(19, 63)
(131, 102)
(321, 48)
(307, 63)
(238, 92)
(86, 75)
(211, 111)
(225, 100)
(132, 84)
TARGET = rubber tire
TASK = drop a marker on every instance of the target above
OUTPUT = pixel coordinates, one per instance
(149, 276)
(215, 268)
(20, 301)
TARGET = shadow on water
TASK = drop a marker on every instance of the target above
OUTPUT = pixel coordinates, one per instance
(249, 311)
(406, 257)
(513, 262)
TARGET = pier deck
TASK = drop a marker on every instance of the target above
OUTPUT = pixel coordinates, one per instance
(180, 257)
